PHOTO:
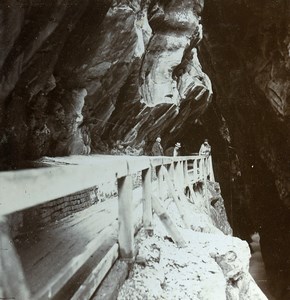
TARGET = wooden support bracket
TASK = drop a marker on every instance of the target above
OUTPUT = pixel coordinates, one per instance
(187, 181)
(178, 201)
(168, 223)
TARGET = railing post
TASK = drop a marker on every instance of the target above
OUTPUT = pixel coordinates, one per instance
(12, 280)
(195, 170)
(185, 171)
(204, 172)
(147, 204)
(202, 169)
(171, 170)
(160, 181)
(176, 175)
(211, 173)
(187, 180)
(126, 221)
(181, 173)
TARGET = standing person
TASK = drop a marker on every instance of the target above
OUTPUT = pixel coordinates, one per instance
(205, 148)
(157, 149)
(173, 151)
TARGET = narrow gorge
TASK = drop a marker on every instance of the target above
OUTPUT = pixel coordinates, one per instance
(109, 76)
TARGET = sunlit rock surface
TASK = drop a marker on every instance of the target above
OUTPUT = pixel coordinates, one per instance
(81, 77)
(211, 266)
(76, 77)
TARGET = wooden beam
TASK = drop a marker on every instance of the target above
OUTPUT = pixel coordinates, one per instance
(160, 182)
(170, 169)
(147, 206)
(181, 174)
(182, 211)
(137, 164)
(60, 279)
(206, 194)
(167, 222)
(12, 280)
(23, 189)
(175, 174)
(167, 160)
(156, 161)
(111, 284)
(91, 283)
(211, 172)
(126, 221)
(195, 170)
(27, 188)
(187, 181)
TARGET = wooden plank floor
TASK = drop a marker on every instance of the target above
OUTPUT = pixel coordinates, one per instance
(257, 268)
(46, 251)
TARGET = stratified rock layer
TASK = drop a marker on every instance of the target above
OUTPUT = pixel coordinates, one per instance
(78, 76)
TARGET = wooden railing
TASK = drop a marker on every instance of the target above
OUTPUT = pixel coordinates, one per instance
(24, 189)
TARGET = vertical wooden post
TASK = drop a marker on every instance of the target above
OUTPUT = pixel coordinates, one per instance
(211, 173)
(176, 177)
(206, 167)
(126, 221)
(195, 170)
(181, 174)
(202, 169)
(171, 170)
(160, 181)
(12, 281)
(185, 170)
(204, 172)
(147, 205)
(188, 181)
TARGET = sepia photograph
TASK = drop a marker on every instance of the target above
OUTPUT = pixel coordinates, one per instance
(144, 149)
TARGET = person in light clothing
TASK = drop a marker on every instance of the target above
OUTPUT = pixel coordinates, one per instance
(205, 149)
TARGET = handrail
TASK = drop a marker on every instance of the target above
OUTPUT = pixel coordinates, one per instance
(23, 189)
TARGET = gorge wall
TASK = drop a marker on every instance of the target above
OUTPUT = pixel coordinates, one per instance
(77, 76)
(91, 76)
(246, 54)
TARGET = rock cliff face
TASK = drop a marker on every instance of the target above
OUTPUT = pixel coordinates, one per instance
(246, 54)
(80, 77)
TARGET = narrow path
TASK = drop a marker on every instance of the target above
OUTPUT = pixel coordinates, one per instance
(45, 252)
(257, 268)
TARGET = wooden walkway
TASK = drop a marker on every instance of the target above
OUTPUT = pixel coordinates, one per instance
(67, 239)
(69, 259)
(257, 268)
(58, 243)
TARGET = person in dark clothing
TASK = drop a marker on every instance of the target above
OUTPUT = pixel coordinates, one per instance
(157, 149)
(173, 151)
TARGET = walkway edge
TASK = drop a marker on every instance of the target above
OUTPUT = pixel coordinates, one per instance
(109, 288)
